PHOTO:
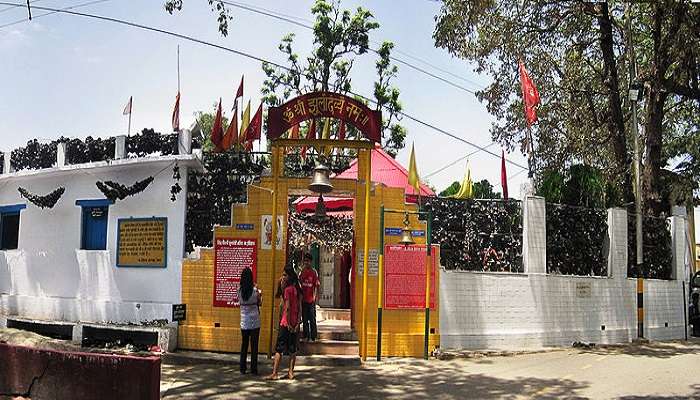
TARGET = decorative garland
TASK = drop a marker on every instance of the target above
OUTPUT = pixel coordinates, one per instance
(117, 191)
(657, 248)
(478, 235)
(176, 188)
(576, 240)
(47, 201)
(334, 232)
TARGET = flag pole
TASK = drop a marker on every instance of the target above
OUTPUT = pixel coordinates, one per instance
(131, 108)
(531, 151)
(178, 68)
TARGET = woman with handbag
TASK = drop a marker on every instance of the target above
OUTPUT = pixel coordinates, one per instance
(251, 300)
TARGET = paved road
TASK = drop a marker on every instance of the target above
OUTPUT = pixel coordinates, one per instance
(658, 371)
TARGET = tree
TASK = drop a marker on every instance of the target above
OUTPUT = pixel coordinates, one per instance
(577, 53)
(339, 37)
(480, 190)
(451, 190)
(217, 6)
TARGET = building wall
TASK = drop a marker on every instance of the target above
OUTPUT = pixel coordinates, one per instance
(534, 309)
(48, 277)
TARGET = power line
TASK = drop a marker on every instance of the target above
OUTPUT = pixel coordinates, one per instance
(455, 162)
(244, 54)
(273, 14)
(13, 8)
(19, 21)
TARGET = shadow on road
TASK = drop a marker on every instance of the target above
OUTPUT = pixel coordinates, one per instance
(437, 381)
(655, 349)
(694, 395)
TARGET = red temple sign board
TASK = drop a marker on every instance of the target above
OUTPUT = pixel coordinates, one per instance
(231, 256)
(404, 277)
(324, 105)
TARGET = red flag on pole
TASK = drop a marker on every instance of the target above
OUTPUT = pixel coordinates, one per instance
(504, 177)
(239, 92)
(295, 132)
(127, 108)
(231, 135)
(176, 113)
(254, 130)
(341, 131)
(217, 130)
(531, 97)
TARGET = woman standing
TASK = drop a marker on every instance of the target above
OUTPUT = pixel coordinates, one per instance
(251, 300)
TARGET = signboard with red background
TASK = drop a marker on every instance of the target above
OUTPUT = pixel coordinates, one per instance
(231, 256)
(404, 277)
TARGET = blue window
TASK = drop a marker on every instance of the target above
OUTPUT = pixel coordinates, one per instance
(9, 226)
(94, 216)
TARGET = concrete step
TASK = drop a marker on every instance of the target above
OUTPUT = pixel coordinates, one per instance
(344, 336)
(191, 357)
(339, 314)
(330, 347)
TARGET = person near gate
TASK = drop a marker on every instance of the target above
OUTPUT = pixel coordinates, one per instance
(309, 287)
(251, 300)
(289, 324)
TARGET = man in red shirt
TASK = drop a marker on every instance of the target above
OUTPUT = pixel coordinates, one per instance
(309, 288)
(289, 324)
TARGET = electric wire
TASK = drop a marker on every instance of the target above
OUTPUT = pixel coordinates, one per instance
(251, 56)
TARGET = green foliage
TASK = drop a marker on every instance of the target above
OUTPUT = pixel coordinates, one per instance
(576, 240)
(217, 6)
(478, 235)
(576, 53)
(484, 190)
(340, 36)
(451, 190)
(481, 190)
(579, 185)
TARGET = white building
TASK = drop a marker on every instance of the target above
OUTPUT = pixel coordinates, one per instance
(61, 263)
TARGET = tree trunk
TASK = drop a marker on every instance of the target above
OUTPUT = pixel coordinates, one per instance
(615, 118)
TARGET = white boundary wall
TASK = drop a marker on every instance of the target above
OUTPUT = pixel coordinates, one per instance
(532, 310)
(49, 278)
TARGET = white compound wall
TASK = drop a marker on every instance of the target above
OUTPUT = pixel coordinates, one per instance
(533, 310)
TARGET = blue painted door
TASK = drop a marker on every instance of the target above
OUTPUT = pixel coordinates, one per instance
(94, 228)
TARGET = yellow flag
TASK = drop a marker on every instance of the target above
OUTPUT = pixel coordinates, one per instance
(413, 179)
(245, 121)
(465, 189)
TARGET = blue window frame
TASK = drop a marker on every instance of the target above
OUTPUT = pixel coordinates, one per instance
(94, 221)
(9, 226)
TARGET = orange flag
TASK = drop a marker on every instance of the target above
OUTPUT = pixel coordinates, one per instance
(217, 130)
(231, 135)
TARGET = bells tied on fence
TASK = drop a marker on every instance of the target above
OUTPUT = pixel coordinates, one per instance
(320, 212)
(320, 180)
(406, 236)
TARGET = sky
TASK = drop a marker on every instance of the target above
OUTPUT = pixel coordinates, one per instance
(63, 75)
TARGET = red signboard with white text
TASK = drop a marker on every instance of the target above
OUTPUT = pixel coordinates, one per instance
(231, 256)
(404, 277)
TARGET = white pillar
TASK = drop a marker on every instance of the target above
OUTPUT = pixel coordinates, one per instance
(534, 235)
(7, 166)
(184, 141)
(60, 155)
(119, 147)
(678, 241)
(617, 239)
